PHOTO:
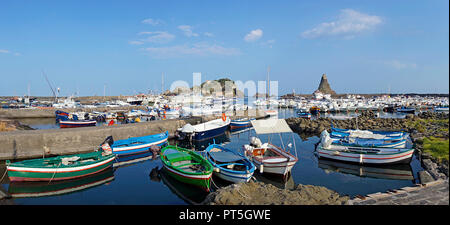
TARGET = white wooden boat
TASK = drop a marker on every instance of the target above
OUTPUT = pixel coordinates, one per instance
(267, 157)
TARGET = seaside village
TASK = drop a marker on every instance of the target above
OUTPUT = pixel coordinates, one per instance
(183, 130)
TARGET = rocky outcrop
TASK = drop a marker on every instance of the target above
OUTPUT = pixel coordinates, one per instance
(12, 125)
(259, 193)
(324, 86)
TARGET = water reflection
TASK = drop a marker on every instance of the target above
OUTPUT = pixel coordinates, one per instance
(188, 193)
(286, 182)
(41, 189)
(202, 145)
(394, 172)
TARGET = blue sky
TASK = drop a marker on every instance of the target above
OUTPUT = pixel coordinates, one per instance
(362, 46)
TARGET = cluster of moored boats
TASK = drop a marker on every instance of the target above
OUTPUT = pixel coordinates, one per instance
(364, 146)
(232, 165)
(185, 165)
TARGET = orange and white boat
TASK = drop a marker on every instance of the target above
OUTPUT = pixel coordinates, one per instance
(267, 157)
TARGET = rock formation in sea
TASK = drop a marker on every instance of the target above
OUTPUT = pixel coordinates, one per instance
(324, 86)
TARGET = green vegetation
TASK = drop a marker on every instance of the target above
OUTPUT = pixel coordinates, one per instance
(437, 147)
(421, 124)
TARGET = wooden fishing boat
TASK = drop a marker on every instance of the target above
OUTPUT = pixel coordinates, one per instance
(229, 165)
(366, 155)
(362, 155)
(187, 166)
(369, 140)
(357, 142)
(60, 167)
(367, 134)
(76, 123)
(240, 123)
(136, 145)
(267, 157)
(44, 188)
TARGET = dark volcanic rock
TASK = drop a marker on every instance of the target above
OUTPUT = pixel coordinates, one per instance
(258, 193)
(324, 86)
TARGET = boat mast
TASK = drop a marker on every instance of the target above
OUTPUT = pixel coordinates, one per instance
(268, 87)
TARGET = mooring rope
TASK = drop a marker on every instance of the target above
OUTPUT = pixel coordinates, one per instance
(4, 174)
(55, 172)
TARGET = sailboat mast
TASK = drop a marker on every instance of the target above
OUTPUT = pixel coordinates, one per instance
(268, 83)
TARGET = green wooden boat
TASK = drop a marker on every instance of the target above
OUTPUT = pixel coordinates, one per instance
(59, 167)
(187, 166)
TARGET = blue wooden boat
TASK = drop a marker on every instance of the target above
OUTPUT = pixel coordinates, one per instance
(136, 145)
(377, 143)
(229, 165)
(61, 115)
(337, 132)
(206, 130)
(240, 123)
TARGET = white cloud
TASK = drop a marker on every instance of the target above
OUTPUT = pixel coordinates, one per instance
(152, 22)
(400, 65)
(349, 24)
(155, 37)
(187, 30)
(253, 35)
(208, 34)
(4, 51)
(198, 49)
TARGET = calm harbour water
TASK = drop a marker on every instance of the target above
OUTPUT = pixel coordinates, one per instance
(144, 183)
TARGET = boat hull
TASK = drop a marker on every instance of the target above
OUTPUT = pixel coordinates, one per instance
(158, 140)
(240, 124)
(74, 124)
(364, 158)
(274, 165)
(201, 181)
(23, 173)
(202, 135)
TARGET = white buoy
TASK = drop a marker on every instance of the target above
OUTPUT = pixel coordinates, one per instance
(217, 170)
(261, 168)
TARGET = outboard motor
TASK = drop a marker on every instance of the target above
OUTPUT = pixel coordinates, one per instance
(108, 140)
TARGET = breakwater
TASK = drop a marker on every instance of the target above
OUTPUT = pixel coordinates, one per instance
(23, 144)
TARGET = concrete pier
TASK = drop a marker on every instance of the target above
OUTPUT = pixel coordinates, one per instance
(23, 144)
(40, 143)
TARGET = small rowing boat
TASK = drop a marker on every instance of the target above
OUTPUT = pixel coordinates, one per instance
(76, 123)
(136, 145)
(240, 123)
(267, 157)
(229, 165)
(60, 167)
(187, 166)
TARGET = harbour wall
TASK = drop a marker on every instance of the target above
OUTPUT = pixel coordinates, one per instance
(23, 144)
